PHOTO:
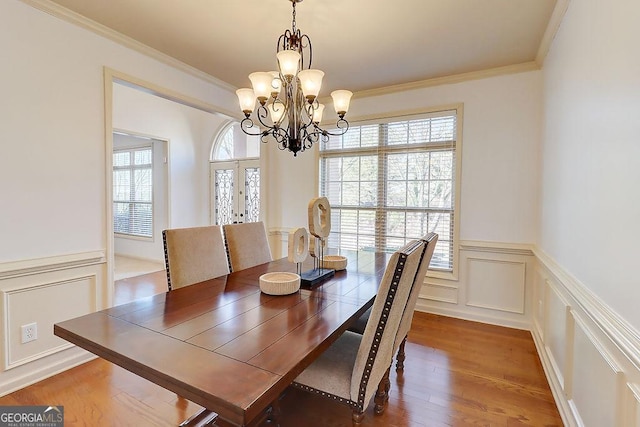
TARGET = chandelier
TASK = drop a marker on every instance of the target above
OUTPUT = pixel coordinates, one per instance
(288, 108)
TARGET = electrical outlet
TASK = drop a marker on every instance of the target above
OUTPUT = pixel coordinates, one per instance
(29, 332)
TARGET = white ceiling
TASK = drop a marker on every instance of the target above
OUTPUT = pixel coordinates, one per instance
(360, 44)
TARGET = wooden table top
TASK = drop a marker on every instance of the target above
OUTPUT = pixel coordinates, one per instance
(222, 343)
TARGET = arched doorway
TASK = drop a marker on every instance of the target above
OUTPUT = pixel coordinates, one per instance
(235, 176)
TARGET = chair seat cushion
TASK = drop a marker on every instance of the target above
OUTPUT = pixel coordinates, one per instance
(332, 370)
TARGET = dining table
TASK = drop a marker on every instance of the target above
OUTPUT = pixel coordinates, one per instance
(223, 343)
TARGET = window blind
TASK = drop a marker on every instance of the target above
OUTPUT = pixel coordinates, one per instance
(393, 180)
(133, 192)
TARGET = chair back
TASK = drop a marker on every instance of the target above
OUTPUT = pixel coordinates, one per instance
(194, 255)
(247, 245)
(430, 241)
(377, 344)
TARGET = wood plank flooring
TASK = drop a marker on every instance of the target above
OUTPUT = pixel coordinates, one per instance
(457, 373)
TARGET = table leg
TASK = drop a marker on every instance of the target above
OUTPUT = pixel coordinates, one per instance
(274, 413)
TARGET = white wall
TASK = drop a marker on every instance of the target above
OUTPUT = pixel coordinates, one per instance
(591, 151)
(53, 178)
(190, 133)
(500, 140)
(52, 132)
(585, 292)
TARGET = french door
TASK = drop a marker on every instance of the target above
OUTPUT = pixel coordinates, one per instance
(235, 191)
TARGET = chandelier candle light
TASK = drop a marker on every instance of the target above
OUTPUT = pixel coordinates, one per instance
(289, 110)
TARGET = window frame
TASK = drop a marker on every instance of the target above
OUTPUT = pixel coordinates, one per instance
(457, 173)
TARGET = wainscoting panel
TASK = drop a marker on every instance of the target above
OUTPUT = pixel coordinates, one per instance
(45, 304)
(538, 303)
(493, 284)
(557, 324)
(596, 380)
(590, 355)
(496, 285)
(633, 405)
(45, 291)
(442, 292)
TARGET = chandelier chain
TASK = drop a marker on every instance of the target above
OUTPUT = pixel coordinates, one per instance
(293, 22)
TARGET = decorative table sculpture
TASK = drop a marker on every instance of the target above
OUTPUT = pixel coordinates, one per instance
(319, 227)
(298, 247)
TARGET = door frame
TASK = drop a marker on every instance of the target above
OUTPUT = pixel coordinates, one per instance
(112, 77)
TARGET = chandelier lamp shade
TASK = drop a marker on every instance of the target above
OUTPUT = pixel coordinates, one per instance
(287, 99)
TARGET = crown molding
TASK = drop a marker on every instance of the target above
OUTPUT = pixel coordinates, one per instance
(456, 78)
(88, 24)
(65, 14)
(552, 29)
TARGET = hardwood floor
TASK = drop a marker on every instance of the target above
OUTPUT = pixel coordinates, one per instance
(457, 373)
(133, 288)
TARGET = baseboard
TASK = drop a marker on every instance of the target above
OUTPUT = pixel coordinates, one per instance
(564, 408)
(30, 375)
(424, 306)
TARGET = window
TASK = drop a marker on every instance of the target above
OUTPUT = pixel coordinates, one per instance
(133, 192)
(232, 143)
(392, 181)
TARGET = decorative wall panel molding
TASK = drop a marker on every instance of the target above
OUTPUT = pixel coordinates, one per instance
(439, 292)
(633, 405)
(558, 327)
(45, 291)
(589, 354)
(496, 248)
(616, 328)
(596, 381)
(44, 304)
(496, 284)
(44, 265)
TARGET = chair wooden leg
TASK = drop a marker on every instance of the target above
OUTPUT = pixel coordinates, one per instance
(357, 417)
(382, 394)
(401, 356)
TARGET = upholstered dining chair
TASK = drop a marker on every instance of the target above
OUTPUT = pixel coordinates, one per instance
(355, 366)
(359, 325)
(247, 245)
(193, 255)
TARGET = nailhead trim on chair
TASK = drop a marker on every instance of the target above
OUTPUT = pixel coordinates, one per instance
(348, 402)
(375, 345)
(226, 247)
(166, 258)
